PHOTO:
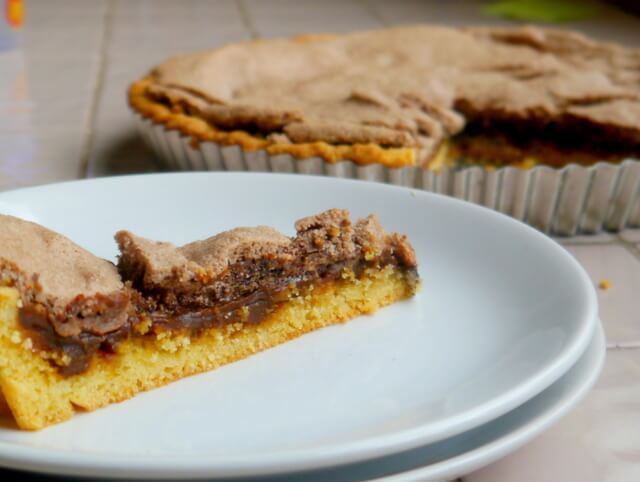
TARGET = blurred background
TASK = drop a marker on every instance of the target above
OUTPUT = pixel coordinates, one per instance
(65, 65)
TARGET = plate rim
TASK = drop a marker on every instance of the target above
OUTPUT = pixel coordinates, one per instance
(320, 456)
(485, 454)
(500, 447)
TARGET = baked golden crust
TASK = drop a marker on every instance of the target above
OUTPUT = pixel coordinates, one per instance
(201, 131)
(38, 395)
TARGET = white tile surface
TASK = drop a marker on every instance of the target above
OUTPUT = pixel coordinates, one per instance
(32, 158)
(66, 6)
(170, 28)
(598, 442)
(79, 42)
(619, 305)
(118, 76)
(64, 28)
(174, 39)
(277, 18)
(161, 12)
(124, 7)
(45, 92)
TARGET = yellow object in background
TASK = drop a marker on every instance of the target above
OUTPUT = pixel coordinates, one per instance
(605, 284)
(14, 13)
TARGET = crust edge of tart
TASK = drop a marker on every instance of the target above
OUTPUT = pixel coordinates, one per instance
(201, 131)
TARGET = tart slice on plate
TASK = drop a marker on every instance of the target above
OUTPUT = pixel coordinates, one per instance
(79, 333)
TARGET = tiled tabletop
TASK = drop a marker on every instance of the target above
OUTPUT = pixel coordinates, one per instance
(63, 116)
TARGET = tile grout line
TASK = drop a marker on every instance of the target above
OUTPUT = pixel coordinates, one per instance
(246, 19)
(370, 7)
(633, 250)
(570, 242)
(630, 247)
(83, 170)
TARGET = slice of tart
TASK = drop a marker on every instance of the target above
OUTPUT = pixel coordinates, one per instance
(60, 307)
(78, 333)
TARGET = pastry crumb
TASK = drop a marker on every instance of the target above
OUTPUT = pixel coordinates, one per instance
(605, 284)
(27, 344)
(15, 338)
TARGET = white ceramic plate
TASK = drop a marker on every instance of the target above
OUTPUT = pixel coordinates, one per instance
(479, 447)
(471, 450)
(504, 313)
(476, 448)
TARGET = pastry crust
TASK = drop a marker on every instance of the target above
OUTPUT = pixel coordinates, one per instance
(38, 395)
(202, 131)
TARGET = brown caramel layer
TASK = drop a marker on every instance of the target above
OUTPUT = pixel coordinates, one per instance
(73, 354)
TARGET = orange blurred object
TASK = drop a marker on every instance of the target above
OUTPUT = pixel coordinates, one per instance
(14, 12)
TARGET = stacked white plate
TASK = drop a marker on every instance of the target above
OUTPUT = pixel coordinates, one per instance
(502, 340)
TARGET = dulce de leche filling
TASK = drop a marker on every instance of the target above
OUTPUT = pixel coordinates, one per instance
(240, 276)
(72, 354)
